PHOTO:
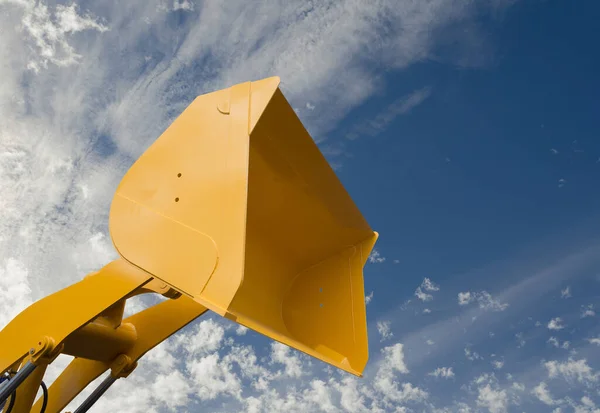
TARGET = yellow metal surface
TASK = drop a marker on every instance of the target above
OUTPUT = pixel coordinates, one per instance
(59, 314)
(152, 326)
(235, 206)
(99, 341)
(27, 391)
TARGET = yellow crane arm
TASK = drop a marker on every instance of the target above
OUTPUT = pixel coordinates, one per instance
(153, 325)
(105, 342)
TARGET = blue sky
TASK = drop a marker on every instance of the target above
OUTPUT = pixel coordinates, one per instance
(466, 131)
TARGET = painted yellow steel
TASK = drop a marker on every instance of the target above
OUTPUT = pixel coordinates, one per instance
(63, 312)
(27, 391)
(235, 206)
(153, 325)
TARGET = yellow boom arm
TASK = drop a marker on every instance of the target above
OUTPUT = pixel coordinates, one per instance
(233, 209)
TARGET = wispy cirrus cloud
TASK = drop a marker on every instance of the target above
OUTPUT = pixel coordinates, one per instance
(376, 125)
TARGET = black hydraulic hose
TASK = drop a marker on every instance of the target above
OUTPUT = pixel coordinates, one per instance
(45, 402)
(13, 398)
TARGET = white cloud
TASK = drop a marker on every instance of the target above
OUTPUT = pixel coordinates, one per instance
(520, 340)
(577, 370)
(498, 364)
(369, 298)
(251, 368)
(385, 381)
(161, 357)
(495, 400)
(556, 343)
(426, 311)
(183, 5)
(426, 285)
(383, 119)
(241, 330)
(543, 394)
(213, 377)
(320, 395)
(472, 355)
(465, 298)
(206, 338)
(483, 298)
(282, 354)
(351, 398)
(555, 324)
(444, 372)
(394, 357)
(587, 311)
(587, 406)
(518, 386)
(384, 329)
(430, 342)
(172, 389)
(15, 292)
(566, 293)
(375, 257)
(594, 340)
(49, 31)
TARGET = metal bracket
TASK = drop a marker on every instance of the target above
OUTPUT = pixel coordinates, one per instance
(45, 352)
(122, 366)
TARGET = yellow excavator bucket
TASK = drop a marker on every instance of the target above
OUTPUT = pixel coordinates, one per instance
(235, 206)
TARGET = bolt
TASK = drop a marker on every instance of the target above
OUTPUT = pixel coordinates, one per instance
(31, 351)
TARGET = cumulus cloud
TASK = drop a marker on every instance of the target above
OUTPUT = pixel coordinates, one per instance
(369, 298)
(375, 257)
(520, 340)
(570, 370)
(483, 298)
(282, 354)
(206, 338)
(496, 401)
(587, 311)
(543, 394)
(465, 298)
(566, 293)
(443, 372)
(426, 285)
(556, 343)
(212, 377)
(594, 340)
(384, 329)
(489, 395)
(498, 364)
(472, 355)
(555, 324)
